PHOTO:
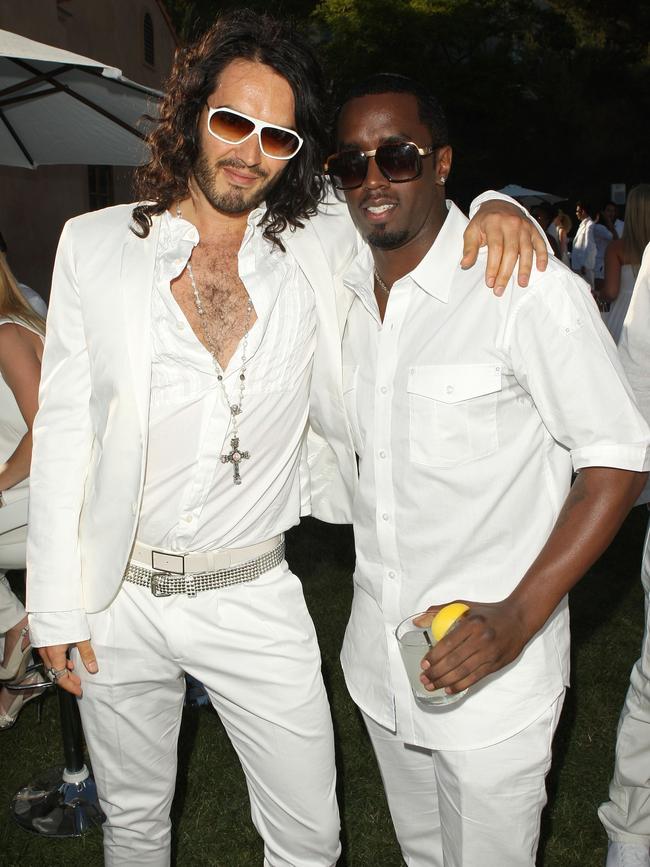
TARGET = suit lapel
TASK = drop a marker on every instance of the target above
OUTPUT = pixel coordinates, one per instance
(331, 303)
(136, 283)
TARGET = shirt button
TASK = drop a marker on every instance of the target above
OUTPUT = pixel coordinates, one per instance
(188, 518)
(391, 574)
(450, 389)
(385, 516)
(382, 454)
(179, 325)
(383, 389)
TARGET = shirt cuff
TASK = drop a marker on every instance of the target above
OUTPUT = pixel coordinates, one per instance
(630, 456)
(58, 627)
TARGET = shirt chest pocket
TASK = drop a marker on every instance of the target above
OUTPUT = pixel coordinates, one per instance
(453, 413)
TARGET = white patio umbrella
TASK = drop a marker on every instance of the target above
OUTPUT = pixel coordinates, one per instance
(61, 108)
(530, 197)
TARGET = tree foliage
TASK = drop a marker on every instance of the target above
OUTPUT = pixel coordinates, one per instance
(550, 94)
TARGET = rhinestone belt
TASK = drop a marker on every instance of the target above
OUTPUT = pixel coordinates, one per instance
(167, 583)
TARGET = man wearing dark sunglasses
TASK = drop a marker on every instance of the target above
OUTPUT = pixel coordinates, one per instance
(468, 413)
(169, 443)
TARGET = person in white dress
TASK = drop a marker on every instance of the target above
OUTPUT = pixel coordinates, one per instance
(623, 258)
(562, 224)
(21, 347)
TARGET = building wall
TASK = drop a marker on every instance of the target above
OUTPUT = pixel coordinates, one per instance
(34, 204)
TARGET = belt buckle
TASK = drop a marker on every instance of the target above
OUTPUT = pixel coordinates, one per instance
(166, 562)
(155, 587)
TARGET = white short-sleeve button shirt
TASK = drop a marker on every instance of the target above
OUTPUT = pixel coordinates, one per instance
(469, 414)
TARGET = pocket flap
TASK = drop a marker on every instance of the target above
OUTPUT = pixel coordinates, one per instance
(453, 383)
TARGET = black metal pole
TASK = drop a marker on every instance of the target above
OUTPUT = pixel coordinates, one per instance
(61, 801)
(71, 732)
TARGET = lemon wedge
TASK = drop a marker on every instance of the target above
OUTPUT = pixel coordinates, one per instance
(446, 617)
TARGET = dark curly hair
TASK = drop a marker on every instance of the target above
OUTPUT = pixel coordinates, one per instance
(174, 142)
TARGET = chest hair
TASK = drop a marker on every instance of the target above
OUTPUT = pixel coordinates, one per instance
(223, 296)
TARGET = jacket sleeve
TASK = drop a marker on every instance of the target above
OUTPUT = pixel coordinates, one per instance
(62, 446)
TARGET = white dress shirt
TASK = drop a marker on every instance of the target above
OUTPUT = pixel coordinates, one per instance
(583, 249)
(189, 501)
(469, 413)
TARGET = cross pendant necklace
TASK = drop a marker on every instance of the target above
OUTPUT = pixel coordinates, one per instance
(235, 455)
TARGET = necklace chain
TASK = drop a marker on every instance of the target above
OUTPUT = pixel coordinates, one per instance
(236, 455)
(381, 283)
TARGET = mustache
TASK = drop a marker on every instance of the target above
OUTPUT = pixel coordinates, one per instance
(231, 163)
(377, 200)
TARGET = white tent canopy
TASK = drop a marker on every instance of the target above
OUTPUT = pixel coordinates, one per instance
(530, 197)
(61, 108)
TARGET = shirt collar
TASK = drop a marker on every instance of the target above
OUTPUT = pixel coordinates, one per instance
(434, 274)
(177, 229)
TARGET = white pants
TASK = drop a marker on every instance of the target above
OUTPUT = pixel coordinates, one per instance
(626, 816)
(468, 808)
(13, 529)
(11, 608)
(254, 648)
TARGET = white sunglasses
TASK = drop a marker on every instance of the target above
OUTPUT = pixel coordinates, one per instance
(233, 127)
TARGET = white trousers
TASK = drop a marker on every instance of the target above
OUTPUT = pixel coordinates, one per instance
(13, 525)
(626, 816)
(254, 648)
(11, 608)
(468, 808)
(13, 529)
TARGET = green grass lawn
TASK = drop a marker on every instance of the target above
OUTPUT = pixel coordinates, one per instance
(211, 815)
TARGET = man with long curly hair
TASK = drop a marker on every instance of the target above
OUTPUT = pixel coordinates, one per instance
(168, 456)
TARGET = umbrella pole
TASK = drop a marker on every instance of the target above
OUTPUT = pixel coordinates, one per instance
(61, 801)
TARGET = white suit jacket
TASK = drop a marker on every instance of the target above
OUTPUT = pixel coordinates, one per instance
(90, 433)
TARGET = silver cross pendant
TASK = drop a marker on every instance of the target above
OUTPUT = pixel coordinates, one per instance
(234, 457)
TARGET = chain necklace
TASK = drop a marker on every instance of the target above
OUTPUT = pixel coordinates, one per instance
(381, 283)
(235, 456)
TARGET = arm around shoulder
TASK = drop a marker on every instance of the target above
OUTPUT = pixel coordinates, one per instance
(511, 236)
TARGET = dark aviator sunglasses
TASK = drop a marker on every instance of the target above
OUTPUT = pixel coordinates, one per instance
(398, 163)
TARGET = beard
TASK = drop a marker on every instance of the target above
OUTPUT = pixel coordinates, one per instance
(387, 240)
(234, 200)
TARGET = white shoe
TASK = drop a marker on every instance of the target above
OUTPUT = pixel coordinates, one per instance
(627, 855)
